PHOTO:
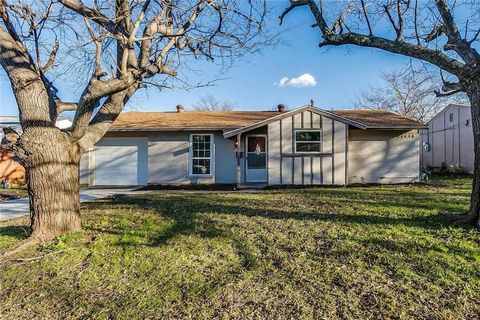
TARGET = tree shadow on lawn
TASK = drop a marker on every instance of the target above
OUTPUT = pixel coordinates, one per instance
(18, 232)
(184, 211)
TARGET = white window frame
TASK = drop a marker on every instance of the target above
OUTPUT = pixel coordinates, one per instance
(211, 158)
(311, 130)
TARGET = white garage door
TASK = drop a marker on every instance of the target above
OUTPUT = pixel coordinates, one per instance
(116, 165)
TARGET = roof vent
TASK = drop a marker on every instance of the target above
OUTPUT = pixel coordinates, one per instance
(180, 108)
(281, 108)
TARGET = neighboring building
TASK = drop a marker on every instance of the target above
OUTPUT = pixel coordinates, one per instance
(10, 169)
(449, 139)
(305, 146)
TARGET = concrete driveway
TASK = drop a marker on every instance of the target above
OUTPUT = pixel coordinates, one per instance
(20, 207)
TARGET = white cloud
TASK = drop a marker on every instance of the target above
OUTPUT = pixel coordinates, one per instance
(282, 81)
(302, 81)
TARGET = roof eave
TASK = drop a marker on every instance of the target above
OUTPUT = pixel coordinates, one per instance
(150, 129)
(397, 128)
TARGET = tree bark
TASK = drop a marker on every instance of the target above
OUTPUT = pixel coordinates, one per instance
(473, 92)
(53, 190)
(52, 164)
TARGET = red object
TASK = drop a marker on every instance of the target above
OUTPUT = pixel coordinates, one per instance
(11, 170)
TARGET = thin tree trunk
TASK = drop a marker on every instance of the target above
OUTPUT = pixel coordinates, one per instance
(473, 93)
(53, 189)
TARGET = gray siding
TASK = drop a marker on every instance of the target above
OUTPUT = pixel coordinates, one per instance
(451, 142)
(84, 168)
(142, 161)
(168, 156)
(169, 159)
(287, 167)
(381, 156)
(166, 160)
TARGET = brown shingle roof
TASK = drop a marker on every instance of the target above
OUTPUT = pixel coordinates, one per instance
(189, 120)
(379, 119)
(230, 120)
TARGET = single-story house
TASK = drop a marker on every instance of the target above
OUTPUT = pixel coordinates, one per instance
(448, 141)
(305, 146)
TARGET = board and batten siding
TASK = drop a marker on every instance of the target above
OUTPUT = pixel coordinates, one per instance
(287, 167)
(383, 156)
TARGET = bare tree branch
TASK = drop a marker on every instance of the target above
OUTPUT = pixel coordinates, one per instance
(51, 58)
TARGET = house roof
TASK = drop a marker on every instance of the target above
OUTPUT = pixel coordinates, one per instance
(377, 119)
(188, 120)
(233, 122)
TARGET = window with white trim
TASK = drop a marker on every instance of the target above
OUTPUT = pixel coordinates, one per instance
(308, 141)
(201, 154)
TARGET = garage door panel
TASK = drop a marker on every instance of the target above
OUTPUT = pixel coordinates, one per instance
(116, 165)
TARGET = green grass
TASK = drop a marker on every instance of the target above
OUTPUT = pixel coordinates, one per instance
(382, 252)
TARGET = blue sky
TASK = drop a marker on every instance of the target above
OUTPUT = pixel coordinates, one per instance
(340, 74)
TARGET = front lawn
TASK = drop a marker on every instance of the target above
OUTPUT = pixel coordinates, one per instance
(329, 253)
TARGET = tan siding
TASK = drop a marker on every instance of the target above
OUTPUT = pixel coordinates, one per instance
(327, 135)
(327, 170)
(298, 174)
(316, 174)
(378, 156)
(274, 153)
(316, 118)
(339, 152)
(287, 170)
(297, 121)
(307, 119)
(307, 170)
(287, 135)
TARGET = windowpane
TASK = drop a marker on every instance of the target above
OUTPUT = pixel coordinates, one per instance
(308, 141)
(201, 155)
(308, 147)
(256, 161)
(256, 144)
(201, 166)
(307, 136)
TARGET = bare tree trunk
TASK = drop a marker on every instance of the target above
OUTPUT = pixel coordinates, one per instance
(52, 165)
(53, 189)
(473, 93)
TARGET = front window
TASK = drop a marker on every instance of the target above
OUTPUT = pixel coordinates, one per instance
(308, 141)
(201, 154)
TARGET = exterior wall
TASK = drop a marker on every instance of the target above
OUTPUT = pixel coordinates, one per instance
(85, 168)
(168, 157)
(142, 158)
(287, 167)
(451, 142)
(383, 156)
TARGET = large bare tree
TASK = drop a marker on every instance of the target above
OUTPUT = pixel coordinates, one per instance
(130, 44)
(210, 103)
(443, 33)
(409, 92)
